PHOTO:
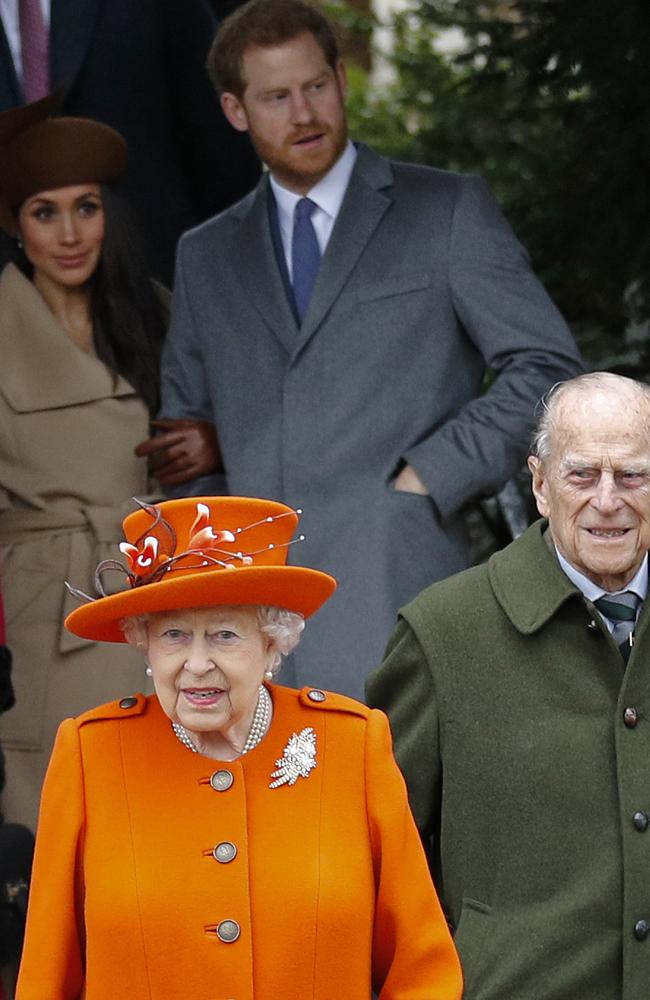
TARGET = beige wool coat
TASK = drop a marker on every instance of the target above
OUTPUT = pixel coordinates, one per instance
(67, 472)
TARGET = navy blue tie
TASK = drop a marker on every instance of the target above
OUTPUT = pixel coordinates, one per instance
(305, 255)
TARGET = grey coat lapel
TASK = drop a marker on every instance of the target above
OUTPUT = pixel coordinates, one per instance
(253, 260)
(72, 25)
(363, 208)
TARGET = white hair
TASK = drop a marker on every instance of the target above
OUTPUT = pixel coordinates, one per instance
(284, 627)
(549, 405)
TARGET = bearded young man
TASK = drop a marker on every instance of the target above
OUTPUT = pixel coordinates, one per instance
(519, 699)
(339, 341)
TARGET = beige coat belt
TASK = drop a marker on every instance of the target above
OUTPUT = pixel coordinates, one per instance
(105, 523)
(93, 535)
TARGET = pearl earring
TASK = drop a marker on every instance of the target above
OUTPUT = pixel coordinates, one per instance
(148, 671)
(268, 674)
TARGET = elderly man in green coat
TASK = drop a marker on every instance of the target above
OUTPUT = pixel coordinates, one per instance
(519, 698)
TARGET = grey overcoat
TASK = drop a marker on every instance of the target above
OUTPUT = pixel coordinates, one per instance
(526, 748)
(421, 286)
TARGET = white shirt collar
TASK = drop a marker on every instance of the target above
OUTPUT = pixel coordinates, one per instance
(638, 584)
(328, 194)
(330, 190)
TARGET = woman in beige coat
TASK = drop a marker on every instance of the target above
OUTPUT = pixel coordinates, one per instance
(80, 334)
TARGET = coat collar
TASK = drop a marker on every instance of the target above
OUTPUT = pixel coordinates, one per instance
(363, 207)
(253, 257)
(41, 368)
(527, 580)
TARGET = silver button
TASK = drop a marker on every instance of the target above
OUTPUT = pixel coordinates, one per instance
(224, 852)
(128, 702)
(228, 931)
(221, 780)
(316, 695)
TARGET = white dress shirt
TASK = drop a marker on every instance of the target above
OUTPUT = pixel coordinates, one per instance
(327, 195)
(638, 584)
(9, 15)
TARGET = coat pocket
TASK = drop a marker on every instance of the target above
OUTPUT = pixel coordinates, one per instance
(470, 936)
(398, 284)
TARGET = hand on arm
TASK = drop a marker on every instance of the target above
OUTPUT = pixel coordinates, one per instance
(183, 447)
(182, 450)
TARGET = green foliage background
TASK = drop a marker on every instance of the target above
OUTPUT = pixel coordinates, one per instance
(550, 101)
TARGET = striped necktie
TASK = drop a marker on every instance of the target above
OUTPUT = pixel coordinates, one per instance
(34, 45)
(621, 610)
(305, 255)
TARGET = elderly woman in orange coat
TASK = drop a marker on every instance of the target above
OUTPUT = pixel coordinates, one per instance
(226, 837)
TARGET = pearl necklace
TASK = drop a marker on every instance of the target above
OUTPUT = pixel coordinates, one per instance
(256, 733)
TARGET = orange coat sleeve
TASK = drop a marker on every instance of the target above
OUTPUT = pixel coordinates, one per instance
(52, 965)
(413, 954)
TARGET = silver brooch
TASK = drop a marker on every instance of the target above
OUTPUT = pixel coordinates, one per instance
(298, 761)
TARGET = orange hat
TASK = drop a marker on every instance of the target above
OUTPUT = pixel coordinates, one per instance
(39, 153)
(201, 552)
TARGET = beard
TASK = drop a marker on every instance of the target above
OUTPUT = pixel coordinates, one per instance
(299, 169)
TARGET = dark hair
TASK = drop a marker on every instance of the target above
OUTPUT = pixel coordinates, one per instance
(129, 318)
(264, 23)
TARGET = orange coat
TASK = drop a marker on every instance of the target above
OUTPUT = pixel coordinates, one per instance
(329, 884)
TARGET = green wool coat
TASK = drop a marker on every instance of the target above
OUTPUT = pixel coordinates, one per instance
(525, 744)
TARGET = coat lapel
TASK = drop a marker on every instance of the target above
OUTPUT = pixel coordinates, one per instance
(254, 261)
(364, 205)
(530, 608)
(10, 89)
(41, 368)
(72, 23)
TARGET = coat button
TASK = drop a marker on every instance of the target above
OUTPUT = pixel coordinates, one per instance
(316, 695)
(224, 852)
(229, 930)
(593, 625)
(641, 930)
(630, 717)
(641, 821)
(128, 702)
(221, 780)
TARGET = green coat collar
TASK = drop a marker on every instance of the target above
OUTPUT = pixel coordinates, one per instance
(528, 582)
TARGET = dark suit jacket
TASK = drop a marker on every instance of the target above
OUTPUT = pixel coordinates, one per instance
(421, 287)
(139, 66)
